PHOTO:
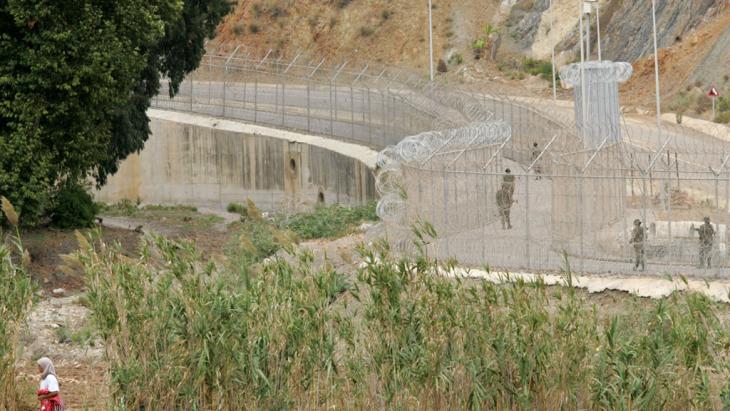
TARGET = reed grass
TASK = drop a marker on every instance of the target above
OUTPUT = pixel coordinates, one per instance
(16, 298)
(185, 333)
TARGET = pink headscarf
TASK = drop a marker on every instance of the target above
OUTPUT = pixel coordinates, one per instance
(47, 366)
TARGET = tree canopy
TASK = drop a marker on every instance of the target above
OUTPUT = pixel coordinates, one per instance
(76, 79)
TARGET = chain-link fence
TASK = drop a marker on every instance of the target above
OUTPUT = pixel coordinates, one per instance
(445, 152)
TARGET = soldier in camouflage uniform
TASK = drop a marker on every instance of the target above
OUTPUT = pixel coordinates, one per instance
(504, 203)
(535, 154)
(508, 182)
(707, 237)
(638, 237)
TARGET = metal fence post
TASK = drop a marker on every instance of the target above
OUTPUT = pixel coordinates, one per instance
(527, 219)
(352, 113)
(283, 101)
(225, 78)
(370, 120)
(309, 125)
(256, 96)
(192, 94)
(332, 123)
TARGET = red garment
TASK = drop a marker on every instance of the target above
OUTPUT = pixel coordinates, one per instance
(54, 403)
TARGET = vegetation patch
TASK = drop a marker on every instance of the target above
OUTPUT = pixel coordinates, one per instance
(397, 335)
(328, 221)
(16, 298)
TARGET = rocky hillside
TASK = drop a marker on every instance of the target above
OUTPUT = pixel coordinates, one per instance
(694, 35)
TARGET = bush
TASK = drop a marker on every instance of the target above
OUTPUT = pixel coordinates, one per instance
(441, 66)
(239, 29)
(236, 208)
(254, 28)
(74, 207)
(456, 59)
(328, 221)
(536, 67)
(723, 118)
(16, 298)
(385, 15)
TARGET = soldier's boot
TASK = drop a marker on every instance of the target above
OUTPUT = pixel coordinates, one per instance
(643, 267)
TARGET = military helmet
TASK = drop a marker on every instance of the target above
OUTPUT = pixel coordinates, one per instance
(707, 219)
(637, 222)
(507, 170)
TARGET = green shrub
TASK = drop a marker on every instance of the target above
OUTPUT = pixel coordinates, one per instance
(723, 103)
(456, 59)
(328, 221)
(385, 15)
(16, 298)
(74, 207)
(536, 67)
(236, 208)
(723, 118)
(239, 29)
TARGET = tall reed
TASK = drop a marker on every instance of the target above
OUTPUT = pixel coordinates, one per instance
(16, 297)
(185, 333)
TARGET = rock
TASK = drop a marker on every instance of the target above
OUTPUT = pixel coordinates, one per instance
(58, 292)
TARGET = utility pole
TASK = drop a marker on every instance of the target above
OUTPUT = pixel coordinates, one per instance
(430, 41)
(656, 67)
(552, 53)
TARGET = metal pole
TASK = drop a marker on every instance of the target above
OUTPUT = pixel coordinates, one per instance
(588, 33)
(656, 66)
(527, 218)
(225, 77)
(598, 30)
(582, 71)
(552, 53)
(309, 106)
(430, 41)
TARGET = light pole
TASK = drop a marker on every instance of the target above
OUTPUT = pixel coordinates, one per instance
(656, 67)
(430, 41)
(552, 52)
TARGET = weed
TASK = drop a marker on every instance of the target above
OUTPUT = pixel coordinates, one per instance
(328, 221)
(366, 31)
(236, 208)
(385, 15)
(456, 59)
(16, 298)
(535, 67)
(253, 28)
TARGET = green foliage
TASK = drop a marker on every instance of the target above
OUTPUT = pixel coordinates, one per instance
(328, 221)
(236, 208)
(479, 44)
(535, 67)
(456, 59)
(397, 336)
(74, 207)
(723, 118)
(76, 80)
(681, 103)
(723, 103)
(16, 298)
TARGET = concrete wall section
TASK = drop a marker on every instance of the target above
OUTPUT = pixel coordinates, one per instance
(209, 162)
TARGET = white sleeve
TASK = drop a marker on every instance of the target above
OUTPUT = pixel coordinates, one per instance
(52, 383)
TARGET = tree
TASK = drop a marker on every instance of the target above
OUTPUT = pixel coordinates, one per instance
(76, 79)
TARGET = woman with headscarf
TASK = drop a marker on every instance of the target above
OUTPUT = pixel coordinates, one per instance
(49, 394)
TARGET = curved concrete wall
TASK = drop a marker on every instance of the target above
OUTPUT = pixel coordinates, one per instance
(210, 162)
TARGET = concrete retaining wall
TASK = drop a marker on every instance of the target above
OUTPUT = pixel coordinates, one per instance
(209, 162)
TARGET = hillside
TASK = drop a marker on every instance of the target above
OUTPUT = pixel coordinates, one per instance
(695, 37)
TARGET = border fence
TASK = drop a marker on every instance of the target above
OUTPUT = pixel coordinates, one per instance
(445, 152)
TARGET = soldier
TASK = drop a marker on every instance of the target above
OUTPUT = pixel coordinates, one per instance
(707, 236)
(638, 236)
(535, 155)
(504, 203)
(508, 182)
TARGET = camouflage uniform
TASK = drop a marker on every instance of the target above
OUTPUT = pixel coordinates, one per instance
(508, 183)
(638, 236)
(536, 167)
(707, 236)
(504, 203)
